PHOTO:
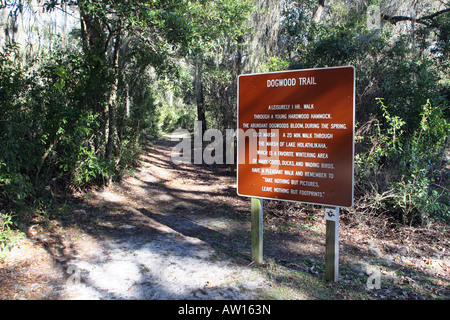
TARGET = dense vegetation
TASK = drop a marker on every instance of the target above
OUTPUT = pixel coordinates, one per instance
(76, 107)
(402, 99)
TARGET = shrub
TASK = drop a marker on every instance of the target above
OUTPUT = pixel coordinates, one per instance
(404, 171)
(7, 235)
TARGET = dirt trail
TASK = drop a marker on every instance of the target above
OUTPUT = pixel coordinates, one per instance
(147, 237)
(150, 249)
(171, 231)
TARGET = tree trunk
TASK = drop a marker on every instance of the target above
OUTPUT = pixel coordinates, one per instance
(319, 12)
(198, 89)
(121, 127)
(94, 48)
(92, 33)
(112, 103)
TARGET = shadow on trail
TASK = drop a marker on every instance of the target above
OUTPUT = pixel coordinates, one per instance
(235, 244)
(153, 220)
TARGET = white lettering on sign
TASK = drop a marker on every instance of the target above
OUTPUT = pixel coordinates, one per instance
(307, 81)
(282, 82)
(303, 81)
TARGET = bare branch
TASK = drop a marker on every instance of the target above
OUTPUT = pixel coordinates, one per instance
(425, 20)
(431, 16)
(395, 19)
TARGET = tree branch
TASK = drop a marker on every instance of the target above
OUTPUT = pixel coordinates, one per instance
(431, 16)
(425, 20)
(394, 19)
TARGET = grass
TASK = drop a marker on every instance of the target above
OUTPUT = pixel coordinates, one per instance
(286, 284)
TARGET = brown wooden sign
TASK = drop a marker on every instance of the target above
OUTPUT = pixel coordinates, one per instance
(296, 135)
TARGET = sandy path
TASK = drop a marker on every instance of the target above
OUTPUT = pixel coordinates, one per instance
(148, 248)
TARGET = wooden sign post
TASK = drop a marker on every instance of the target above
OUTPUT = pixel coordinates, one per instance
(296, 142)
(332, 244)
(257, 230)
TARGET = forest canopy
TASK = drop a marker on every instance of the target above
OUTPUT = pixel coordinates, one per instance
(85, 84)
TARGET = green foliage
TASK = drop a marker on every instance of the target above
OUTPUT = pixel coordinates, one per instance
(18, 154)
(77, 114)
(401, 103)
(176, 117)
(5, 230)
(174, 110)
(275, 64)
(46, 126)
(219, 87)
(7, 234)
(209, 23)
(403, 171)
